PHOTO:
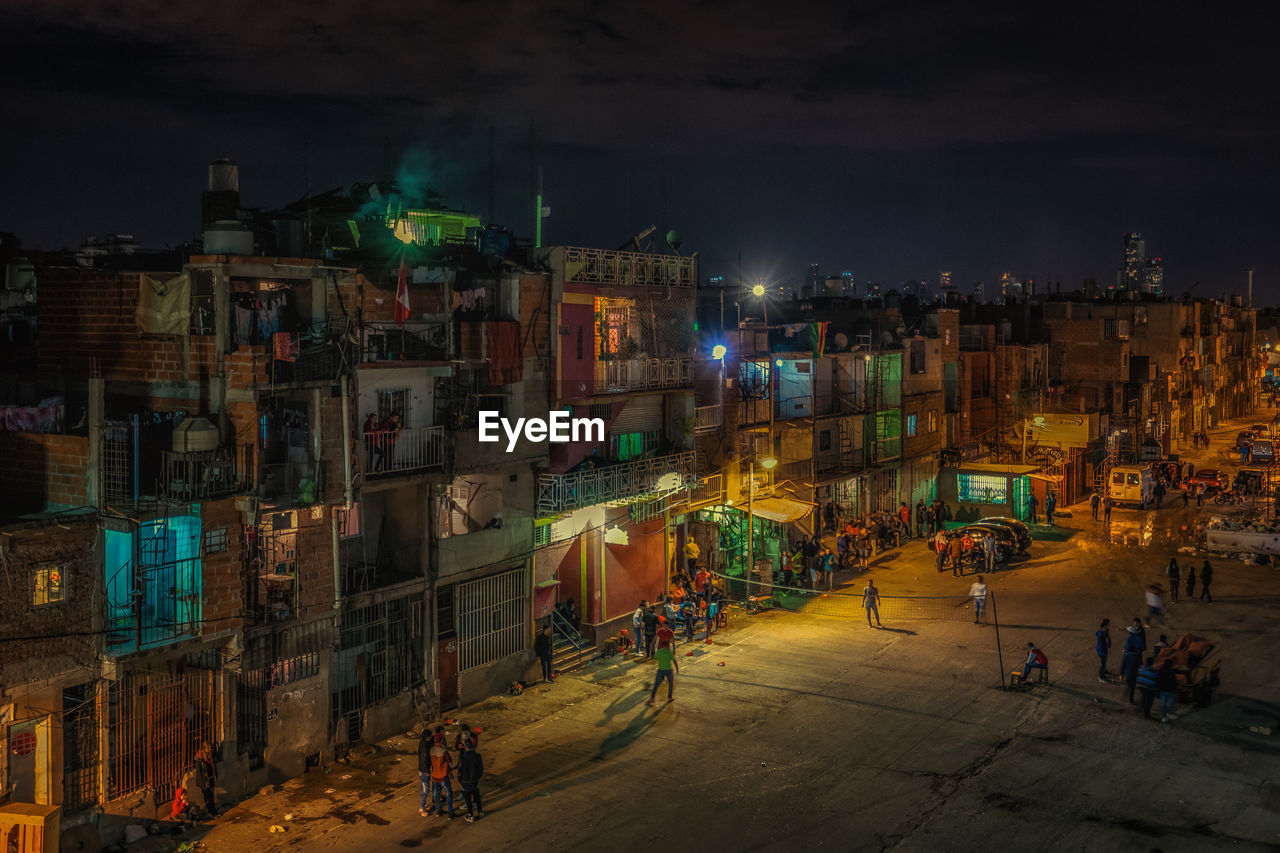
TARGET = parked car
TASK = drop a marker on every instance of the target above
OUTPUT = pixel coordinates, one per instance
(1211, 478)
(1020, 530)
(1006, 540)
(1261, 430)
(1262, 453)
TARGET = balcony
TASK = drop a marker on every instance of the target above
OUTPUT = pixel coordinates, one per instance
(201, 475)
(621, 482)
(416, 342)
(846, 462)
(291, 484)
(708, 418)
(416, 449)
(627, 269)
(800, 471)
(647, 374)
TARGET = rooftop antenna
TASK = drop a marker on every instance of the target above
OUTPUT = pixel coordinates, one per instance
(493, 168)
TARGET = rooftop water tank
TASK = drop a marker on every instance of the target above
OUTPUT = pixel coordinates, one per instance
(195, 434)
(224, 176)
(228, 237)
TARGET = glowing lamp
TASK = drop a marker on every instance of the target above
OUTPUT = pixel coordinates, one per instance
(758, 290)
(777, 362)
(719, 351)
(768, 463)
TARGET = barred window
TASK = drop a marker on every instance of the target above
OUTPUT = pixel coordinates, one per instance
(49, 586)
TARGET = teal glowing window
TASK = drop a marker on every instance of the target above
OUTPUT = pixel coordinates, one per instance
(982, 488)
(153, 583)
(911, 425)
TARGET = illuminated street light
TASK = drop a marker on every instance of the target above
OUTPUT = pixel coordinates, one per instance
(718, 351)
(758, 290)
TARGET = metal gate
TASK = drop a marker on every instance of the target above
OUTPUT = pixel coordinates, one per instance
(156, 723)
(79, 747)
(381, 653)
(492, 618)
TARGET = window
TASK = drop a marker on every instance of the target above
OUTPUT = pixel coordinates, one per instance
(49, 587)
(824, 440)
(631, 445)
(911, 425)
(933, 422)
(394, 401)
(603, 411)
(982, 488)
(215, 540)
(1117, 479)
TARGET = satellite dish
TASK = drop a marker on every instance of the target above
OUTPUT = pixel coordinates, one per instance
(673, 240)
(842, 340)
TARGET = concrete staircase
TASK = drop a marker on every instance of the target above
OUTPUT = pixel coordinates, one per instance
(570, 649)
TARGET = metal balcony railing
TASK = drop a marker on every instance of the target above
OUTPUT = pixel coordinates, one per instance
(709, 490)
(628, 269)
(643, 374)
(200, 475)
(800, 470)
(621, 482)
(708, 418)
(416, 449)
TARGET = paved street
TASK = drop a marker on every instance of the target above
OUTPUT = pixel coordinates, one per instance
(830, 734)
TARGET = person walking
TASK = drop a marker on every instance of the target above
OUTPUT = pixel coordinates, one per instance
(1050, 504)
(1174, 573)
(871, 602)
(1191, 580)
(1147, 680)
(1104, 649)
(1155, 607)
(542, 647)
(1167, 687)
(1186, 497)
(978, 592)
(666, 661)
(904, 520)
(691, 554)
(1095, 503)
(470, 769)
(1106, 510)
(637, 627)
(1206, 580)
(989, 552)
(1135, 643)
(1199, 495)
(689, 613)
(940, 546)
(955, 552)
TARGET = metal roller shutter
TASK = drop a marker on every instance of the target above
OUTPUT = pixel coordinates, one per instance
(641, 414)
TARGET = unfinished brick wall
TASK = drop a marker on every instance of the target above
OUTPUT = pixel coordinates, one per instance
(315, 564)
(924, 441)
(222, 571)
(70, 546)
(42, 469)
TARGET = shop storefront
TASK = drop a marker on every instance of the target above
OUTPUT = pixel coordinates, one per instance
(978, 490)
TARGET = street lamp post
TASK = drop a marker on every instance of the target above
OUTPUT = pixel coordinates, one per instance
(767, 464)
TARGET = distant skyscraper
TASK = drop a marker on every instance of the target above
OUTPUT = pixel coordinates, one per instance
(944, 280)
(846, 278)
(1134, 252)
(813, 281)
(979, 292)
(1152, 276)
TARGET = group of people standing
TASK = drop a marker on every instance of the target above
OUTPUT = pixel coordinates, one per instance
(436, 767)
(1139, 670)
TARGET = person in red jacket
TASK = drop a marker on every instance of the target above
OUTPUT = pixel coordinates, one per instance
(1035, 660)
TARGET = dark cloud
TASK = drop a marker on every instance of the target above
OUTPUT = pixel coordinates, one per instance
(896, 139)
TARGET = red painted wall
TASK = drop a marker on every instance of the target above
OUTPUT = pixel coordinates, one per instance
(577, 377)
(634, 571)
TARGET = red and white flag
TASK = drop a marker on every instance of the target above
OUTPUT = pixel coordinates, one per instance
(402, 296)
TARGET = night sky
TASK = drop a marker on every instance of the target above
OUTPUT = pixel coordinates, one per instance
(891, 139)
